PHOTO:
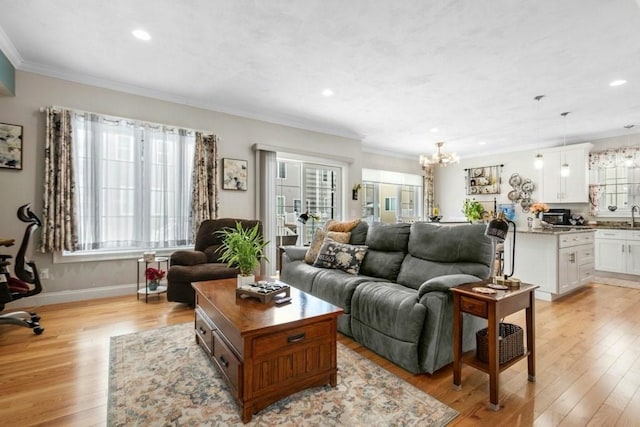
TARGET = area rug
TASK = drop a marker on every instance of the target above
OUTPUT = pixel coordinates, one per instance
(162, 377)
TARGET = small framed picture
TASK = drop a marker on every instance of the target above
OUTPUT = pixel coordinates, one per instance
(10, 146)
(234, 174)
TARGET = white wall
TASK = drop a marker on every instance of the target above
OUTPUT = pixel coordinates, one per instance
(450, 191)
(237, 135)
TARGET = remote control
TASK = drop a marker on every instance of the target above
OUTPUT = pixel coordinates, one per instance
(282, 300)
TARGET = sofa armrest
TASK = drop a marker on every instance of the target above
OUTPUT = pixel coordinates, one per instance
(295, 253)
(188, 257)
(444, 283)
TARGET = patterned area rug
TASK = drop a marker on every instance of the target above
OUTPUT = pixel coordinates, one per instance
(162, 377)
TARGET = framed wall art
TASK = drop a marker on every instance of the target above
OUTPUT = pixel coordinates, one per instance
(484, 180)
(10, 146)
(234, 174)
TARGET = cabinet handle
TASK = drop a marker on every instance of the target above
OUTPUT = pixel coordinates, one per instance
(202, 330)
(629, 249)
(623, 247)
(296, 338)
(224, 361)
(572, 257)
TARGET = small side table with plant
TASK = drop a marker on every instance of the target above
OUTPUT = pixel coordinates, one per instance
(153, 277)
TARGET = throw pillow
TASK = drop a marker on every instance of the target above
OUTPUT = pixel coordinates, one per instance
(342, 226)
(318, 239)
(340, 256)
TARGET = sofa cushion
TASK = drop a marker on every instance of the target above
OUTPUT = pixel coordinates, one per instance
(337, 287)
(300, 275)
(390, 309)
(387, 245)
(341, 226)
(340, 256)
(200, 272)
(438, 251)
(318, 240)
(359, 234)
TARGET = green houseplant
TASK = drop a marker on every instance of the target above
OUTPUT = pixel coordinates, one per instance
(242, 248)
(473, 210)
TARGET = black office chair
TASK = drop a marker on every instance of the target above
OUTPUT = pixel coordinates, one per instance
(27, 282)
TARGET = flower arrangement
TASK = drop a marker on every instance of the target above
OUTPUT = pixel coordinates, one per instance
(154, 274)
(537, 208)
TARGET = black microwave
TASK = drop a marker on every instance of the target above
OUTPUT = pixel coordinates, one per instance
(557, 216)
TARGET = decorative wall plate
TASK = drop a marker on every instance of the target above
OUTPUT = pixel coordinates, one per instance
(515, 180)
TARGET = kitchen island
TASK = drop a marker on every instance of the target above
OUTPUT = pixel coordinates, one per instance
(559, 259)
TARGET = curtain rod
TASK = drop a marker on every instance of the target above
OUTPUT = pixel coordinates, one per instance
(137, 121)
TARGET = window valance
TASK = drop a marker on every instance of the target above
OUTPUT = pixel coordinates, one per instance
(614, 157)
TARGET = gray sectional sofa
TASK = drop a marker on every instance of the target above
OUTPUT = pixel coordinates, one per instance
(399, 305)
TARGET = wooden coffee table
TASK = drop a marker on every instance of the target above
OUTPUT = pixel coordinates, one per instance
(265, 351)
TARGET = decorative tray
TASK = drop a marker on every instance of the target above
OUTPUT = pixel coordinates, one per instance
(265, 291)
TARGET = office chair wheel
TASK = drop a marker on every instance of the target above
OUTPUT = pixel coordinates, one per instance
(34, 317)
(38, 330)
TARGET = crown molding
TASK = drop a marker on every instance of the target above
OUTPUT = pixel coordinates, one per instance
(278, 119)
(7, 47)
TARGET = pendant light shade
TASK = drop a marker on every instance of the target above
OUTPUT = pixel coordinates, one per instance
(565, 170)
(538, 161)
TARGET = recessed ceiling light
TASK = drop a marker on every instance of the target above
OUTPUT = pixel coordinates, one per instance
(617, 82)
(433, 130)
(327, 92)
(482, 143)
(141, 35)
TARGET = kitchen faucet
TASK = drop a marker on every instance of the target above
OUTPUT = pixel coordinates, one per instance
(634, 208)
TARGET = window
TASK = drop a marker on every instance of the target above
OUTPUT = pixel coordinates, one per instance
(282, 170)
(389, 203)
(619, 189)
(130, 178)
(391, 197)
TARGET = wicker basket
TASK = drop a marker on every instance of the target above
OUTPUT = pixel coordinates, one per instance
(510, 339)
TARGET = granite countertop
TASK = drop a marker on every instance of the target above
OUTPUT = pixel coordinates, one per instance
(563, 229)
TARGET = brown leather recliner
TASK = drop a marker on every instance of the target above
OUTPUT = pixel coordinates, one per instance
(202, 263)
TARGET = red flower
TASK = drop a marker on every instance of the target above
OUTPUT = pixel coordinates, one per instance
(154, 273)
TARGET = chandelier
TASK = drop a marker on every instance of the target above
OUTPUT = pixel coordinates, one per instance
(439, 158)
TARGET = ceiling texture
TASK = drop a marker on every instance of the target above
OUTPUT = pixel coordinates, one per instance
(398, 69)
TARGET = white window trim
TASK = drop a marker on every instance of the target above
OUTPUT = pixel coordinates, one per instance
(87, 256)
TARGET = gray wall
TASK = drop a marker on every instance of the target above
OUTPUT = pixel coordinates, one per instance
(236, 134)
(7, 77)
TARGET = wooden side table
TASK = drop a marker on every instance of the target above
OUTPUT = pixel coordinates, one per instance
(492, 307)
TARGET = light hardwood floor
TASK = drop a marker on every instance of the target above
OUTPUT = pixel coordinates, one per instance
(588, 364)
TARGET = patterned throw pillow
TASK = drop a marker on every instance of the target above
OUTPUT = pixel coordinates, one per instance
(340, 256)
(342, 226)
(318, 239)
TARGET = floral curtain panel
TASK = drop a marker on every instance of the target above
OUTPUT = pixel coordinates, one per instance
(205, 178)
(59, 230)
(626, 156)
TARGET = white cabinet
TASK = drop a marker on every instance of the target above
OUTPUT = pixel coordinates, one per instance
(570, 189)
(618, 251)
(559, 262)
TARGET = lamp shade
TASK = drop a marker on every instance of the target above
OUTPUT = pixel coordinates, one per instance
(497, 228)
(303, 218)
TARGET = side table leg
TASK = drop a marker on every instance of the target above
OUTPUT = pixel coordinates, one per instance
(457, 343)
(493, 359)
(531, 337)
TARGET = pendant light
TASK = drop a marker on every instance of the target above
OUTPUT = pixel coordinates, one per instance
(564, 169)
(629, 160)
(538, 161)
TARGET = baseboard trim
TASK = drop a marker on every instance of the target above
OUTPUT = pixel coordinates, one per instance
(48, 298)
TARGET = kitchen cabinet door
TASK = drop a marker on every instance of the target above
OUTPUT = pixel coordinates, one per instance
(568, 271)
(570, 189)
(633, 257)
(610, 255)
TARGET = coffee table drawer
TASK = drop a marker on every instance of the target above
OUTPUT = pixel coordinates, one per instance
(204, 331)
(281, 340)
(473, 306)
(228, 363)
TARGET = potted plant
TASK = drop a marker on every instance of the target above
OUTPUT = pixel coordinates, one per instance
(473, 210)
(244, 249)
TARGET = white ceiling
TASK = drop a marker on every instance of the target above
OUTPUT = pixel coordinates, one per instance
(398, 68)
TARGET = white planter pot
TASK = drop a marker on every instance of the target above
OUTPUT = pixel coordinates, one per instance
(249, 279)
